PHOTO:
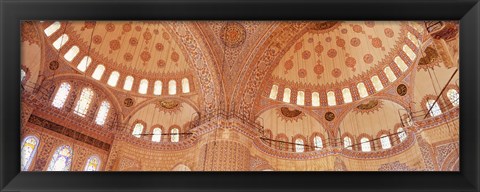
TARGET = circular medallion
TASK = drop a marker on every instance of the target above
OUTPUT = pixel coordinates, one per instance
(53, 65)
(329, 116)
(128, 102)
(233, 34)
(402, 89)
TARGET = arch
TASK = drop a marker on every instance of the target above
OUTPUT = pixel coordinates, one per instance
(157, 134)
(102, 112)
(385, 142)
(402, 135)
(84, 63)
(300, 98)
(389, 73)
(138, 129)
(347, 96)
(286, 95)
(362, 90)
(60, 42)
(315, 99)
(435, 108)
(174, 131)
(274, 92)
(365, 144)
(454, 97)
(347, 142)
(377, 84)
(28, 151)
(52, 28)
(299, 148)
(71, 53)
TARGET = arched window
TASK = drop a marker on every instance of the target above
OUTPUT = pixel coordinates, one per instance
(400, 63)
(347, 96)
(300, 98)
(362, 90)
(413, 39)
(93, 164)
(347, 143)
(102, 113)
(61, 96)
(137, 130)
(299, 145)
(274, 92)
(315, 99)
(317, 141)
(385, 141)
(365, 144)
(84, 63)
(62, 159)
(401, 134)
(142, 89)
(409, 52)
(435, 109)
(331, 98)
(454, 97)
(185, 86)
(377, 84)
(286, 95)
(71, 53)
(60, 42)
(84, 102)
(98, 73)
(157, 90)
(113, 79)
(128, 83)
(22, 75)
(172, 87)
(174, 137)
(390, 75)
(157, 135)
(29, 148)
(52, 28)
(181, 167)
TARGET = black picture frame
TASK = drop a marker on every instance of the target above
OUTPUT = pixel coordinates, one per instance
(13, 11)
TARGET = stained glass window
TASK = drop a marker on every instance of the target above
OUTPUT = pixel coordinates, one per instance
(185, 86)
(435, 109)
(317, 140)
(29, 148)
(454, 97)
(362, 90)
(137, 130)
(365, 144)
(286, 95)
(347, 143)
(62, 159)
(174, 137)
(61, 96)
(60, 42)
(385, 141)
(84, 63)
(331, 98)
(98, 73)
(315, 99)
(274, 92)
(300, 98)
(299, 145)
(71, 53)
(347, 96)
(157, 135)
(113, 79)
(93, 164)
(102, 113)
(172, 87)
(157, 90)
(401, 134)
(84, 102)
(52, 28)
